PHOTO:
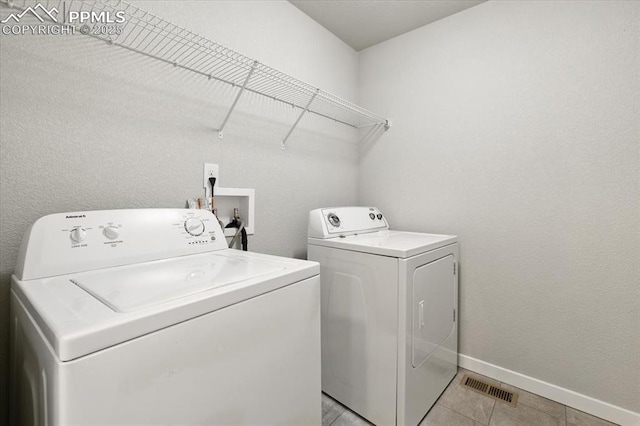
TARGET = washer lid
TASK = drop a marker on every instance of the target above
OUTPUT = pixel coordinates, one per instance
(136, 287)
(388, 243)
(86, 312)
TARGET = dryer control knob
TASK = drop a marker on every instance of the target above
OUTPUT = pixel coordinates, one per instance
(334, 219)
(379, 216)
(372, 216)
(78, 234)
(111, 232)
(194, 226)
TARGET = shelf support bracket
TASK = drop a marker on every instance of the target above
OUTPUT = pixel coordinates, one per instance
(306, 108)
(235, 101)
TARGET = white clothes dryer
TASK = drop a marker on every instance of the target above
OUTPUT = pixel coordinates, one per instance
(389, 313)
(146, 317)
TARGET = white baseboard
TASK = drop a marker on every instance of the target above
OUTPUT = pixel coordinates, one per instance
(564, 396)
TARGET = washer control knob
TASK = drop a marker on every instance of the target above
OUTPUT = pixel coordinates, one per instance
(111, 232)
(334, 219)
(380, 216)
(78, 234)
(194, 226)
(372, 216)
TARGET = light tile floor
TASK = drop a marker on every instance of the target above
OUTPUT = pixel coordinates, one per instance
(459, 406)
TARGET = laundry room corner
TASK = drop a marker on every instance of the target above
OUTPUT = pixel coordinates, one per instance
(85, 125)
(516, 128)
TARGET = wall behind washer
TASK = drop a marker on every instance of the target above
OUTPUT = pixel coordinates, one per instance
(85, 125)
(516, 127)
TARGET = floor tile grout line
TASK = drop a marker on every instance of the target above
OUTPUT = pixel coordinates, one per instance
(336, 419)
(493, 407)
(519, 390)
(336, 404)
(530, 406)
(543, 411)
(454, 411)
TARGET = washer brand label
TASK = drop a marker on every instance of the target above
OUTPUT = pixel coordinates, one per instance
(76, 216)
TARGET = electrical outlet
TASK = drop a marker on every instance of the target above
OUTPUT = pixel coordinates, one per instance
(210, 170)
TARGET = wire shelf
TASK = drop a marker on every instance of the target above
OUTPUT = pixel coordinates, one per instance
(155, 37)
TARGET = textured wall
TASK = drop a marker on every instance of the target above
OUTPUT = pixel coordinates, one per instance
(84, 125)
(516, 128)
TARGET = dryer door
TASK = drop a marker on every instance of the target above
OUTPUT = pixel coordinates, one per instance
(433, 307)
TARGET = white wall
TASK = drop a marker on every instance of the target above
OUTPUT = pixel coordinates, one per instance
(84, 125)
(516, 128)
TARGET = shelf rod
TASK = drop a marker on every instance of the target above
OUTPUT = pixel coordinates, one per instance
(235, 101)
(284, 141)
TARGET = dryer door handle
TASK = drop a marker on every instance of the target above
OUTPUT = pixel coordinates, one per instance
(421, 314)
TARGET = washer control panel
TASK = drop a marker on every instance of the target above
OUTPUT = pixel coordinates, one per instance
(338, 221)
(111, 232)
(78, 234)
(194, 226)
(72, 242)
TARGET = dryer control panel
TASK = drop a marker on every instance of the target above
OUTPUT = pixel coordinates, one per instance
(341, 221)
(65, 243)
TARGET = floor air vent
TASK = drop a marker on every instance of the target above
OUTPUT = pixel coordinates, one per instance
(489, 390)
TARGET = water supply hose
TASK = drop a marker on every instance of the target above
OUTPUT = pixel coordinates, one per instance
(241, 231)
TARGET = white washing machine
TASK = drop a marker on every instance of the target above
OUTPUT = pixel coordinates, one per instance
(146, 317)
(389, 308)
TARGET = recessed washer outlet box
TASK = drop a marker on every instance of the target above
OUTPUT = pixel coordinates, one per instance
(226, 199)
